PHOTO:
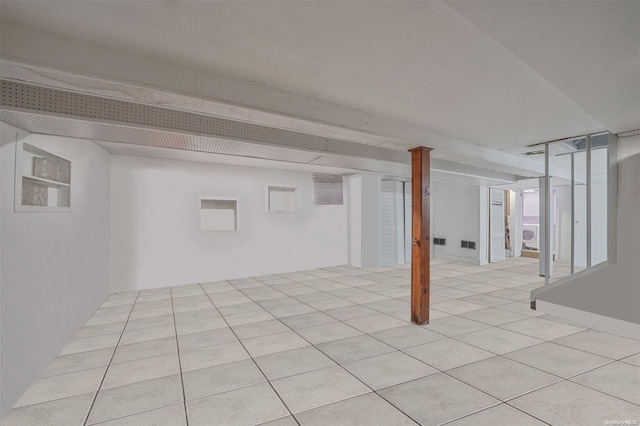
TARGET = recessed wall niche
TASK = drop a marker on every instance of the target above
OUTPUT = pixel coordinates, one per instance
(42, 180)
(282, 199)
(218, 214)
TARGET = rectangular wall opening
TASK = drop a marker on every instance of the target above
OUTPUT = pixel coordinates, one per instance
(43, 180)
(282, 199)
(218, 214)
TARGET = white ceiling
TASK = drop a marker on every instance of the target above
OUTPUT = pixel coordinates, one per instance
(590, 50)
(497, 74)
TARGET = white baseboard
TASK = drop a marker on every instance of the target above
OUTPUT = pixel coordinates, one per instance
(599, 322)
(458, 259)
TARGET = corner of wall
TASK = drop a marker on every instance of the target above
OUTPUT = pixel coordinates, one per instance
(2, 410)
(70, 251)
(483, 225)
(369, 220)
(8, 138)
(612, 200)
(354, 212)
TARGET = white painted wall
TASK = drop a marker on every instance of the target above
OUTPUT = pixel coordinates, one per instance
(483, 224)
(363, 202)
(2, 191)
(54, 266)
(612, 291)
(459, 212)
(369, 220)
(155, 237)
(354, 205)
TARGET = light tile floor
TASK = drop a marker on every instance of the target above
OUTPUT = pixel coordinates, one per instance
(334, 346)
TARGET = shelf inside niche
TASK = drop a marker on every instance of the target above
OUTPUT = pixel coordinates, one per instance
(47, 182)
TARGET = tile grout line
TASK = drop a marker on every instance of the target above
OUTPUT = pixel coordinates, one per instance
(341, 298)
(508, 400)
(591, 353)
(250, 356)
(429, 364)
(451, 337)
(381, 312)
(379, 282)
(490, 326)
(134, 360)
(147, 410)
(603, 392)
(418, 378)
(110, 360)
(356, 304)
(246, 292)
(175, 328)
(494, 406)
(337, 364)
(444, 372)
(562, 379)
(385, 313)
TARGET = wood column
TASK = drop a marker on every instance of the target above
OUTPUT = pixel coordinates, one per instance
(421, 245)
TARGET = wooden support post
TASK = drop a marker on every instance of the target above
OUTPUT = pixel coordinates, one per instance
(421, 246)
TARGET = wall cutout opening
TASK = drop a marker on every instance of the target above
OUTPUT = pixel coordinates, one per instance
(327, 189)
(282, 199)
(42, 181)
(218, 214)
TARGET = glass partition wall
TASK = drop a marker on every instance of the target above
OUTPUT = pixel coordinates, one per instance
(574, 205)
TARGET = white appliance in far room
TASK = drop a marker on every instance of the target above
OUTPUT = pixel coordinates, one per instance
(530, 236)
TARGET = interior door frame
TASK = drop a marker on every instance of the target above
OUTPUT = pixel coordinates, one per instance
(490, 230)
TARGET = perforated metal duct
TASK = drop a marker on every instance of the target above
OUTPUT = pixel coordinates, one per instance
(63, 113)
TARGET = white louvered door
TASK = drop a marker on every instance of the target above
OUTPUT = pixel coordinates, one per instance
(393, 230)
